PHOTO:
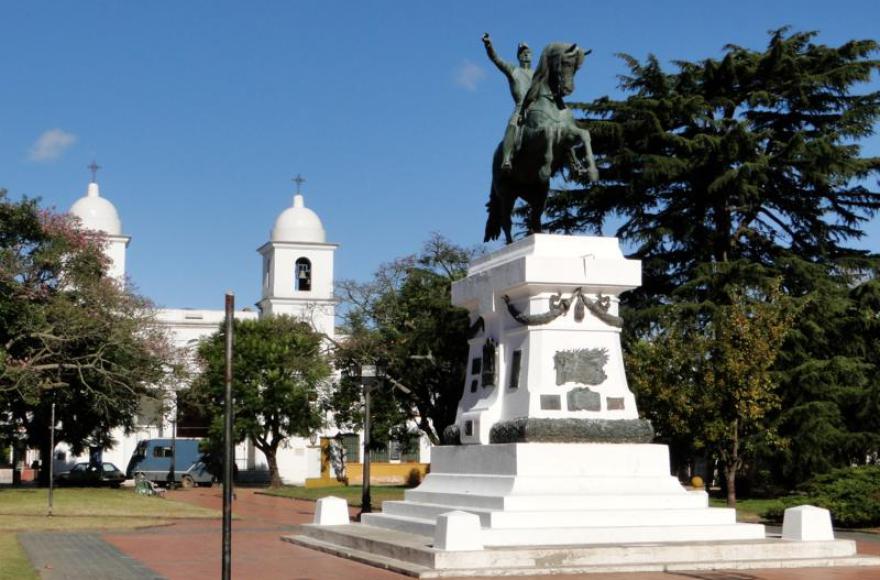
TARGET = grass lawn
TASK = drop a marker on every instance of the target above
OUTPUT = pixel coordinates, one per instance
(71, 504)
(14, 565)
(78, 509)
(747, 510)
(351, 493)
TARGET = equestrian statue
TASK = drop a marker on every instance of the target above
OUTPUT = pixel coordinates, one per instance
(541, 137)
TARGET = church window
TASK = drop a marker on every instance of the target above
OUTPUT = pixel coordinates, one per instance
(267, 267)
(351, 443)
(303, 282)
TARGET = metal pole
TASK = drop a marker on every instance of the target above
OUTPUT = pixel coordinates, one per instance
(227, 445)
(172, 482)
(366, 504)
(52, 461)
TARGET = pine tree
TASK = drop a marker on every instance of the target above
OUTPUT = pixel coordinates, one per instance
(736, 171)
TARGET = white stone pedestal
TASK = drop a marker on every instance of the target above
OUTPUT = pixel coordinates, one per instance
(331, 511)
(807, 523)
(548, 447)
(562, 494)
(548, 468)
(546, 342)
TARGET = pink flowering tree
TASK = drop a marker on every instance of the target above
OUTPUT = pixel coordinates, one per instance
(70, 334)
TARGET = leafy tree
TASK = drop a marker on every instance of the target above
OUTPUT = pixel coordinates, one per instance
(749, 165)
(751, 157)
(278, 369)
(830, 375)
(69, 335)
(404, 318)
(706, 377)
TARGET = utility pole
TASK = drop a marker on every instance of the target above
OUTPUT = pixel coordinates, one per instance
(52, 461)
(366, 500)
(227, 444)
(172, 480)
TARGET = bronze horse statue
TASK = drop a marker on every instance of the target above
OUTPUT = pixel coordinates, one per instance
(550, 140)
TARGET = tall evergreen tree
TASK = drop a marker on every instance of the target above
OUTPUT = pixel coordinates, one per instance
(751, 157)
(745, 168)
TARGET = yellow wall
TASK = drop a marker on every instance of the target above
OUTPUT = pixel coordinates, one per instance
(385, 472)
(380, 473)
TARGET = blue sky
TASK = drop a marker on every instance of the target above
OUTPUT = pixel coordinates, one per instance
(201, 112)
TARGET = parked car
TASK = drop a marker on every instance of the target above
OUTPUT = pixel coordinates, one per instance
(151, 460)
(89, 474)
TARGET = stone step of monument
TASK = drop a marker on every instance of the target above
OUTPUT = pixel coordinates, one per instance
(612, 519)
(413, 549)
(407, 524)
(558, 533)
(670, 533)
(519, 484)
(697, 516)
(463, 500)
(413, 555)
(680, 499)
(430, 511)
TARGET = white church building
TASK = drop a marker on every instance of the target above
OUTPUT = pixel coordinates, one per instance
(297, 280)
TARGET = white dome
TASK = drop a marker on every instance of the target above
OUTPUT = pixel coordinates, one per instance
(298, 224)
(97, 213)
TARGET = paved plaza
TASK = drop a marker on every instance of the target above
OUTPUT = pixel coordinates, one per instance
(190, 549)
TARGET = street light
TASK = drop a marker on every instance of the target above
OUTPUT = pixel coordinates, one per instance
(52, 460)
(172, 477)
(371, 377)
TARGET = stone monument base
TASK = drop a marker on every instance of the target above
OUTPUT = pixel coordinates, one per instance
(562, 508)
(416, 556)
(528, 494)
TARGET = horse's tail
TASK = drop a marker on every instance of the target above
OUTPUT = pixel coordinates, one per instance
(493, 222)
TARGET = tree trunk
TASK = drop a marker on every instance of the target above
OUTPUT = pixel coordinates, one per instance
(731, 466)
(271, 458)
(730, 475)
(17, 458)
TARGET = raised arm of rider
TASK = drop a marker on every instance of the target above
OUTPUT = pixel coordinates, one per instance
(504, 67)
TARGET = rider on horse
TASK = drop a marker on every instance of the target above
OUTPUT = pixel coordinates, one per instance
(549, 139)
(520, 79)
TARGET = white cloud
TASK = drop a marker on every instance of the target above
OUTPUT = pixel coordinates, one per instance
(469, 75)
(51, 145)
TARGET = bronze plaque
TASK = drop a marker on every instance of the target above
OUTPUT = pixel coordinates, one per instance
(583, 399)
(581, 365)
(614, 403)
(551, 403)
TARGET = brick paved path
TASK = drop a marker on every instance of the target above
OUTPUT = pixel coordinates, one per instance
(62, 556)
(190, 549)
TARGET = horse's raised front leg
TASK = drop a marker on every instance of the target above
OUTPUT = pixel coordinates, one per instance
(592, 171)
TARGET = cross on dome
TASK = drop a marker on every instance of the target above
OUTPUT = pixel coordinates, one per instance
(298, 180)
(94, 167)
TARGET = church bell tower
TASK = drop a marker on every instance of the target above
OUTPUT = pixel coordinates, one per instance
(99, 216)
(298, 268)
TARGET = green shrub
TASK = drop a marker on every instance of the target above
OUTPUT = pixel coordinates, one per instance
(852, 495)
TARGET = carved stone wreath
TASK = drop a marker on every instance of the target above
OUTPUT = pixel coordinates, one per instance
(560, 306)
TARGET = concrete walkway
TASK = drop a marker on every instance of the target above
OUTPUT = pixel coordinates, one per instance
(190, 549)
(63, 556)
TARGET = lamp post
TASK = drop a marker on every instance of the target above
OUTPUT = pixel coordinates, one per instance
(371, 378)
(52, 461)
(228, 456)
(172, 477)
